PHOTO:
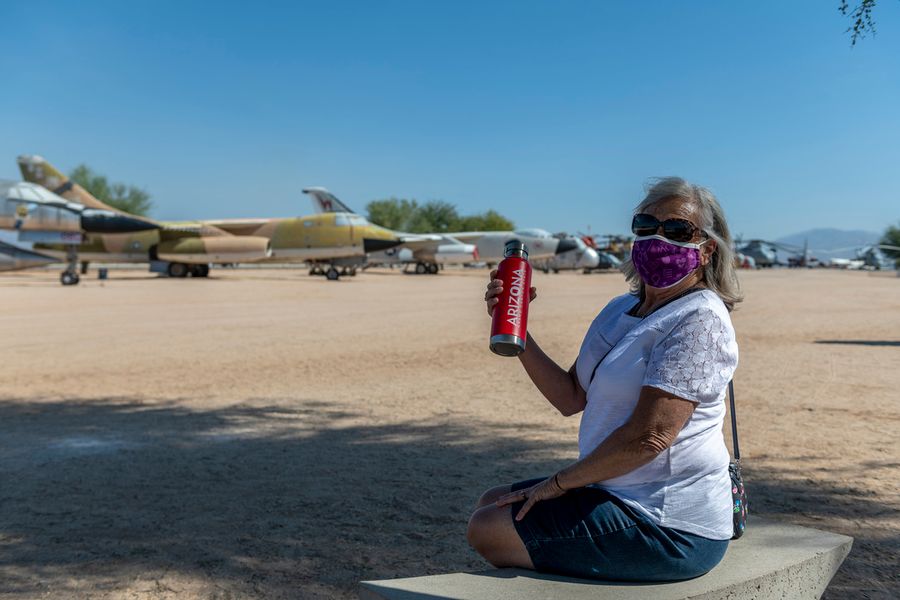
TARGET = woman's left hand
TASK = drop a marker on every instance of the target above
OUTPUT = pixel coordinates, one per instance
(545, 490)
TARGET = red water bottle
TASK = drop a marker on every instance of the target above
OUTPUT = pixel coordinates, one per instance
(510, 318)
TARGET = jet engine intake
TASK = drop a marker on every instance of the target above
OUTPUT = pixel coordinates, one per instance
(106, 221)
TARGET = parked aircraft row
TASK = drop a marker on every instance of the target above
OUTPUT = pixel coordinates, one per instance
(65, 222)
(764, 254)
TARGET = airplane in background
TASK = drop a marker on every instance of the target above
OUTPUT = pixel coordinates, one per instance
(178, 249)
(426, 250)
(13, 258)
(326, 241)
(540, 243)
(336, 241)
(870, 257)
(40, 217)
(487, 245)
(583, 257)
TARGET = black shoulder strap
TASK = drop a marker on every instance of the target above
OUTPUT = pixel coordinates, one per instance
(734, 434)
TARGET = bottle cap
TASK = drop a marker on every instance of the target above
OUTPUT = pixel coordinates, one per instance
(515, 248)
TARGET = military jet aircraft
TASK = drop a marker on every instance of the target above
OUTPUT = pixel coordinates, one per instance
(426, 251)
(13, 258)
(40, 216)
(327, 241)
(176, 248)
(429, 250)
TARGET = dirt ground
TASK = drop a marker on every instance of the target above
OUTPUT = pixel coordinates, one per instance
(268, 434)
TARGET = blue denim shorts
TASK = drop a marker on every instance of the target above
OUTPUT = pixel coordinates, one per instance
(589, 533)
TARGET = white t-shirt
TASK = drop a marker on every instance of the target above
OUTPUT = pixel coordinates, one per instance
(688, 348)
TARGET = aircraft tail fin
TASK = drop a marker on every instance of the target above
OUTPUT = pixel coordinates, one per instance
(36, 169)
(326, 202)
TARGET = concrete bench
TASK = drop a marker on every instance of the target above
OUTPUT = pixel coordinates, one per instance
(772, 560)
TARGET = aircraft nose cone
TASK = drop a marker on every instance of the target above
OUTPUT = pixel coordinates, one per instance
(566, 244)
(590, 259)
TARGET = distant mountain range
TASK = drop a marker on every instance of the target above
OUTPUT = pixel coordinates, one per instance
(832, 243)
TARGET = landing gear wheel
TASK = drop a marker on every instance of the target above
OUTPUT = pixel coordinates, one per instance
(177, 270)
(69, 278)
(421, 269)
(432, 269)
(199, 270)
(352, 271)
(332, 274)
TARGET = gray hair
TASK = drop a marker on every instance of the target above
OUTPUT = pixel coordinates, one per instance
(719, 274)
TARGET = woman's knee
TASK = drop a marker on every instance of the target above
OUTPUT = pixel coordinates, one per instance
(491, 495)
(492, 534)
(481, 529)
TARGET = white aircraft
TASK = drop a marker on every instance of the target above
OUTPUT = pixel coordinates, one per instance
(582, 257)
(540, 243)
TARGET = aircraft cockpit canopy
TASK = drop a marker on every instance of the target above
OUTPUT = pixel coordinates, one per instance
(350, 219)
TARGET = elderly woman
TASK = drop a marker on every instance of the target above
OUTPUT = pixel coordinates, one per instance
(649, 498)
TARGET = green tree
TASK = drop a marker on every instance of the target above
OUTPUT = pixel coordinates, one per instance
(891, 237)
(435, 216)
(438, 216)
(393, 213)
(861, 21)
(486, 221)
(126, 198)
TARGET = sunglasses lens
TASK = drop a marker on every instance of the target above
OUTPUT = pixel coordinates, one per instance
(678, 230)
(643, 224)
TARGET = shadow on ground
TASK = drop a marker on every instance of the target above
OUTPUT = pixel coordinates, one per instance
(244, 501)
(98, 496)
(870, 571)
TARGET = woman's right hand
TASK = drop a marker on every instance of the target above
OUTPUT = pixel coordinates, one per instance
(494, 287)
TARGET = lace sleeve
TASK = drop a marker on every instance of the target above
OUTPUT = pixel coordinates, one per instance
(696, 360)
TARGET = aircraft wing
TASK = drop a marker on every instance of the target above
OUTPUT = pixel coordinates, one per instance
(22, 192)
(237, 226)
(13, 258)
(439, 248)
(177, 229)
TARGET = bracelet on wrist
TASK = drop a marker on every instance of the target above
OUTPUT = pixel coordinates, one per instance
(556, 481)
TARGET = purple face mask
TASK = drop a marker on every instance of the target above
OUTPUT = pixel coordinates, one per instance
(662, 263)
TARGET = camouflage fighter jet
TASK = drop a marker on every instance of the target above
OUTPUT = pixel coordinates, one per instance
(40, 216)
(176, 248)
(326, 241)
(336, 241)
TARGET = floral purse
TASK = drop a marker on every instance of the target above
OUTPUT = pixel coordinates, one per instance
(738, 493)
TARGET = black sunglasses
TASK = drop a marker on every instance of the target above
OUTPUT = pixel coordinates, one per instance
(677, 230)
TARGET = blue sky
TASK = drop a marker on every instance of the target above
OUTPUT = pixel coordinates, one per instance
(553, 113)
